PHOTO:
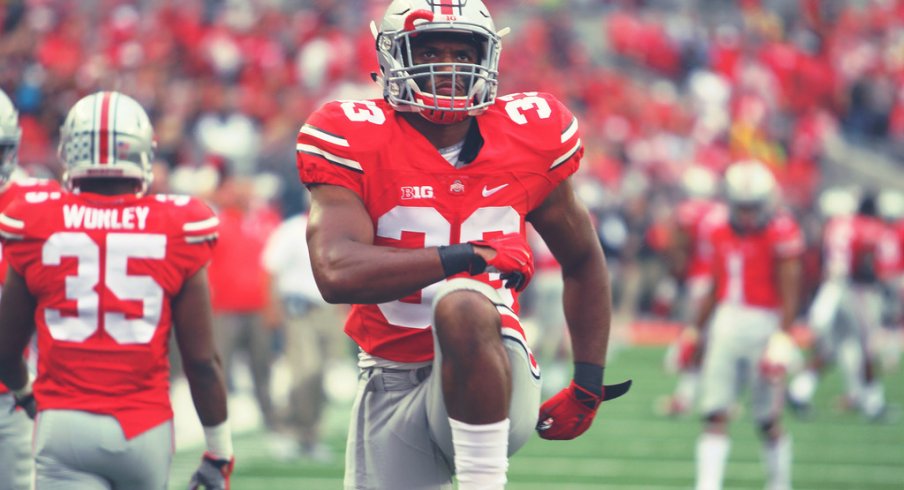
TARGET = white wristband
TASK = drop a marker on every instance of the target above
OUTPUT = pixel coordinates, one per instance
(219, 440)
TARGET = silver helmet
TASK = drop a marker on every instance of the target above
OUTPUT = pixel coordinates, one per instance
(750, 188)
(403, 82)
(107, 135)
(10, 137)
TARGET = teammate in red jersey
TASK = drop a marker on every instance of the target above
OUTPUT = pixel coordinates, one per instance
(846, 314)
(686, 254)
(101, 274)
(419, 204)
(15, 425)
(752, 304)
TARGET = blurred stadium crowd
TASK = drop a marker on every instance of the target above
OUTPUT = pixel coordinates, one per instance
(658, 85)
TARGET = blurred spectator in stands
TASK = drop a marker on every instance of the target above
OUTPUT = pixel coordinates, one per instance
(240, 286)
(313, 332)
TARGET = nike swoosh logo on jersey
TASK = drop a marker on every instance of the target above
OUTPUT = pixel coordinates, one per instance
(489, 192)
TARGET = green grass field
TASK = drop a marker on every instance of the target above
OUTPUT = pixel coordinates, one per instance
(630, 447)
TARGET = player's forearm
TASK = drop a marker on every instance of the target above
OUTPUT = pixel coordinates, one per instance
(208, 391)
(707, 306)
(588, 309)
(789, 285)
(13, 372)
(354, 273)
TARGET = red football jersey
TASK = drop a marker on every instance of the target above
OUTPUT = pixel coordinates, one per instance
(744, 265)
(416, 198)
(695, 217)
(852, 244)
(28, 189)
(103, 270)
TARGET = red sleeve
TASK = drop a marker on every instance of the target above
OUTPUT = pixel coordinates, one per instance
(193, 233)
(787, 239)
(17, 236)
(567, 156)
(324, 153)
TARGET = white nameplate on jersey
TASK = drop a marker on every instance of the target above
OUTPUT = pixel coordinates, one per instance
(489, 192)
(83, 217)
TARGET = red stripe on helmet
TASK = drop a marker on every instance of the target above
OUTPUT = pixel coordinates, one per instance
(445, 7)
(103, 130)
(417, 15)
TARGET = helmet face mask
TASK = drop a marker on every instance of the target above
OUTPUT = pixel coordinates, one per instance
(107, 135)
(10, 136)
(468, 89)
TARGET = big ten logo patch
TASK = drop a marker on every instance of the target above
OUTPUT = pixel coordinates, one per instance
(417, 192)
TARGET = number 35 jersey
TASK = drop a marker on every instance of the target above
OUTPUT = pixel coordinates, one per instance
(417, 199)
(103, 270)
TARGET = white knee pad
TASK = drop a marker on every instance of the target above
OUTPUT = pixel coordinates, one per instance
(465, 284)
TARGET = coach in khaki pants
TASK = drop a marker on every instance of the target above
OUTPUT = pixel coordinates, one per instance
(313, 331)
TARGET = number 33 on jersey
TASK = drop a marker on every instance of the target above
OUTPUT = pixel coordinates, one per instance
(416, 198)
(106, 267)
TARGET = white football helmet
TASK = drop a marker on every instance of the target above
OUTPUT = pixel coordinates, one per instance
(474, 85)
(890, 205)
(107, 135)
(751, 190)
(699, 182)
(836, 202)
(10, 136)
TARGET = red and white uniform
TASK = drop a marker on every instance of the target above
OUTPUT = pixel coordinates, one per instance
(103, 270)
(848, 304)
(694, 218)
(416, 198)
(744, 265)
(850, 240)
(25, 189)
(745, 274)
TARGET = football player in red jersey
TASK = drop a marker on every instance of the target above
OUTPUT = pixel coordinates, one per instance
(101, 273)
(15, 425)
(695, 215)
(419, 203)
(846, 315)
(752, 305)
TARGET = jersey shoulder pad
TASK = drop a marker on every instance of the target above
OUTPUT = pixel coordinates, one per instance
(342, 129)
(32, 184)
(188, 217)
(786, 235)
(27, 215)
(542, 122)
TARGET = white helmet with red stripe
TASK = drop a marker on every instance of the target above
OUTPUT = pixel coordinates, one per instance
(752, 194)
(10, 136)
(474, 84)
(107, 135)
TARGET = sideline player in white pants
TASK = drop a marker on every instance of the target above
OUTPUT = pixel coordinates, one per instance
(753, 303)
(15, 426)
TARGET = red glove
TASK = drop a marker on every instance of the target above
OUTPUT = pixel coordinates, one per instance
(513, 259)
(570, 412)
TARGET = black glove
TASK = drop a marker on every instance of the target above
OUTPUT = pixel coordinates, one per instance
(213, 474)
(26, 401)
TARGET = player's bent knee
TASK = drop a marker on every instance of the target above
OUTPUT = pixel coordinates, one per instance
(465, 284)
